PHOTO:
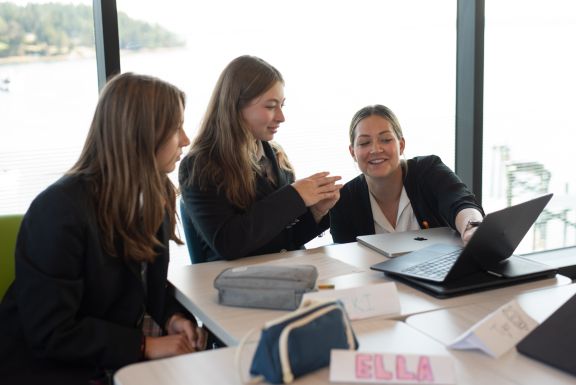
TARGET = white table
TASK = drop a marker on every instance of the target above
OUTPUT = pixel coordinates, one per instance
(448, 324)
(563, 259)
(218, 367)
(194, 288)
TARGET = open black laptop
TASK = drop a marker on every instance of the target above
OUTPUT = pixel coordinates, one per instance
(486, 262)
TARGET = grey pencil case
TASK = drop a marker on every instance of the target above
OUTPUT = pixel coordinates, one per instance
(262, 286)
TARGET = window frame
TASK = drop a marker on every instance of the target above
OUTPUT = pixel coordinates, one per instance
(106, 39)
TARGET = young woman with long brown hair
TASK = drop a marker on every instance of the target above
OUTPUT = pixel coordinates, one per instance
(238, 188)
(92, 252)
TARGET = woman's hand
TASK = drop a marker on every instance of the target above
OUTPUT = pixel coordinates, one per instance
(178, 324)
(184, 336)
(167, 346)
(320, 209)
(467, 221)
(318, 187)
(469, 231)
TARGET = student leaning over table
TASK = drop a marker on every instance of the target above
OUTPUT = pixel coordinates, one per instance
(237, 185)
(393, 194)
(92, 252)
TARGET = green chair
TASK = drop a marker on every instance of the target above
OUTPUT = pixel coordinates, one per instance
(9, 226)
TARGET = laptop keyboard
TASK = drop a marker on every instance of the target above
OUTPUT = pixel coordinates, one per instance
(436, 268)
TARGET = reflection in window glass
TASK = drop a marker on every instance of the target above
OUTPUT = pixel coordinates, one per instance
(335, 56)
(48, 90)
(529, 101)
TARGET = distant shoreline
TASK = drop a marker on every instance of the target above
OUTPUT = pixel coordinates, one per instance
(86, 53)
(37, 59)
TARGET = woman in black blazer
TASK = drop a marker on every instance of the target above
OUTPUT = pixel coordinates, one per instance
(393, 194)
(92, 252)
(238, 187)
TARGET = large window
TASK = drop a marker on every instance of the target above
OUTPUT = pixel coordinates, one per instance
(48, 90)
(529, 99)
(335, 56)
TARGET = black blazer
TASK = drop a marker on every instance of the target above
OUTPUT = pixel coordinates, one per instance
(278, 219)
(436, 194)
(72, 305)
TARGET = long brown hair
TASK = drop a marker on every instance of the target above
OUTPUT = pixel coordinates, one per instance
(223, 149)
(134, 116)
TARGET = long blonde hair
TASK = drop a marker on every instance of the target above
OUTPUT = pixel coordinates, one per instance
(135, 115)
(223, 149)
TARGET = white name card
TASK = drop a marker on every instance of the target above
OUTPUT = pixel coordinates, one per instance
(383, 368)
(365, 301)
(498, 332)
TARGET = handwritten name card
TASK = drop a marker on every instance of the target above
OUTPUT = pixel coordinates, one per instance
(498, 332)
(365, 301)
(383, 368)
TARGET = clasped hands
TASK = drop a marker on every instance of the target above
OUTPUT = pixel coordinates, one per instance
(184, 336)
(319, 192)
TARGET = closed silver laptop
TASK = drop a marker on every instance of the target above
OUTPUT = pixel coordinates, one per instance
(395, 244)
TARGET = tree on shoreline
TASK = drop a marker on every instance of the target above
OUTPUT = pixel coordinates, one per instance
(60, 29)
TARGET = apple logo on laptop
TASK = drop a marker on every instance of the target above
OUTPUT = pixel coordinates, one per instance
(420, 239)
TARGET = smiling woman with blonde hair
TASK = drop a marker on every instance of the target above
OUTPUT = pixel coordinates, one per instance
(92, 252)
(393, 194)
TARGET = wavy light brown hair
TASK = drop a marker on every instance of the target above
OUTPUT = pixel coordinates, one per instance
(379, 110)
(224, 147)
(134, 116)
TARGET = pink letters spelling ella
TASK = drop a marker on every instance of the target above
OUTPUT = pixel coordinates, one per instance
(373, 366)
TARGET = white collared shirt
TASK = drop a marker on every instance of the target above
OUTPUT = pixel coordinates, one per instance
(259, 150)
(265, 164)
(405, 220)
